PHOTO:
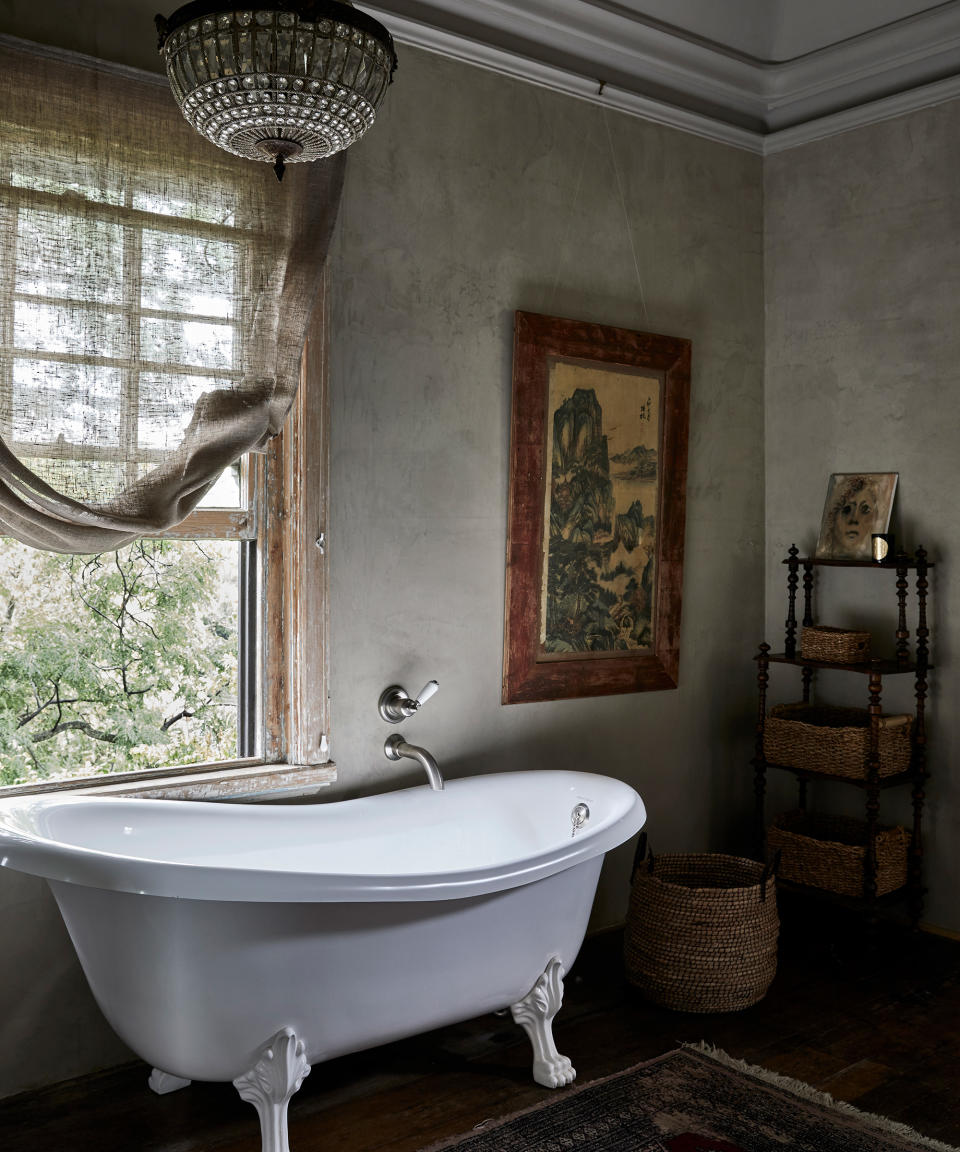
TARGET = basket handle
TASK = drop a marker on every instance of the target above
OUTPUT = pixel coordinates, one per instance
(771, 869)
(639, 855)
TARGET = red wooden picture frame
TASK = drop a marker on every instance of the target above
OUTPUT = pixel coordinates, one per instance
(593, 602)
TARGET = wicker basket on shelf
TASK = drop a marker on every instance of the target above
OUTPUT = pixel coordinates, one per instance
(835, 645)
(830, 851)
(701, 931)
(825, 738)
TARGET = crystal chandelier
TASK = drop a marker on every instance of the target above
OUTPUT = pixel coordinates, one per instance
(281, 83)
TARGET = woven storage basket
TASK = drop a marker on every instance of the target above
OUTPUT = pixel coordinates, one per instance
(829, 852)
(837, 645)
(702, 931)
(823, 738)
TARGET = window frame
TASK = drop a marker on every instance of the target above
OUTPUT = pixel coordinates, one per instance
(287, 517)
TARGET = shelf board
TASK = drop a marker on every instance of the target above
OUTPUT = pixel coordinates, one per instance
(892, 781)
(884, 667)
(880, 565)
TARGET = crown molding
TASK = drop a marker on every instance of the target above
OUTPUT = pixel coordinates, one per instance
(910, 54)
(927, 96)
(456, 47)
(606, 46)
(623, 62)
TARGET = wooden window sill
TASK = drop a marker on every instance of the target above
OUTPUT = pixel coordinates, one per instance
(247, 782)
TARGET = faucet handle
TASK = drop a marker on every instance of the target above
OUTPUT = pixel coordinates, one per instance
(426, 692)
(395, 706)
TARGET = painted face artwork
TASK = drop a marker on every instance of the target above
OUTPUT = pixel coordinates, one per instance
(857, 506)
(856, 518)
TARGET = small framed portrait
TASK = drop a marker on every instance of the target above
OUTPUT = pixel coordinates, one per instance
(858, 505)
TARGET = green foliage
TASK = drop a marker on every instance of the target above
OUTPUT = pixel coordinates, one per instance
(116, 662)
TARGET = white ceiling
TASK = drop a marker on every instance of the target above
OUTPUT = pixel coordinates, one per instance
(770, 31)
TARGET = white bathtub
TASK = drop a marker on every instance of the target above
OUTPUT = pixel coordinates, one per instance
(245, 943)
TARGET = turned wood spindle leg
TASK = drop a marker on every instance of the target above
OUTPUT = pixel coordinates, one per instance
(807, 594)
(903, 633)
(759, 756)
(790, 638)
(873, 788)
(919, 764)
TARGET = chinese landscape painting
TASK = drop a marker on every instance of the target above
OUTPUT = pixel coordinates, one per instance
(600, 513)
(598, 466)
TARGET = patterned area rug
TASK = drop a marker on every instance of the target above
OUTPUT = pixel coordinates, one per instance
(693, 1100)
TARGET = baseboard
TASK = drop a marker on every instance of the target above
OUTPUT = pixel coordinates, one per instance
(936, 930)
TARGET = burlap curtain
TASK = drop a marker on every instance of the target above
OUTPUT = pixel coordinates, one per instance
(154, 298)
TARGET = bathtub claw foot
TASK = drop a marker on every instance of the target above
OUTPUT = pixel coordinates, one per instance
(535, 1013)
(271, 1082)
(164, 1082)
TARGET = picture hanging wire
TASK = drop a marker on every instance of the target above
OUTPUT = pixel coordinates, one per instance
(626, 218)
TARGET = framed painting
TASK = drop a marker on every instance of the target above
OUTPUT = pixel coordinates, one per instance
(858, 504)
(598, 466)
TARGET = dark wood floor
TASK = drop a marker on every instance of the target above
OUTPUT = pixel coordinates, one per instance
(872, 1020)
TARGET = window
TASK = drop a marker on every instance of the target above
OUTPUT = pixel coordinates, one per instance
(181, 655)
(120, 307)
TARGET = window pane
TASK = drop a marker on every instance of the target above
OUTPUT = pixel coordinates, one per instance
(80, 329)
(117, 662)
(226, 492)
(66, 174)
(187, 342)
(87, 480)
(190, 274)
(220, 207)
(79, 402)
(68, 256)
(166, 406)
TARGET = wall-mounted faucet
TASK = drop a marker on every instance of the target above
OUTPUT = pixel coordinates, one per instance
(396, 706)
(396, 748)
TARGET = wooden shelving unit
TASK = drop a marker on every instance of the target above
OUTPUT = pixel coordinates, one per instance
(802, 570)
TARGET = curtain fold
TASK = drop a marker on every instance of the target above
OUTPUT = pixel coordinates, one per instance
(154, 300)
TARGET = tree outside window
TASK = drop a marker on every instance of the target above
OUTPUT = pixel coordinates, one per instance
(117, 662)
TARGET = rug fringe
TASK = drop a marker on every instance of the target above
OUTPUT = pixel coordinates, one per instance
(816, 1096)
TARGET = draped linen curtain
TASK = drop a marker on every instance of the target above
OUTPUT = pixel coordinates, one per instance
(154, 300)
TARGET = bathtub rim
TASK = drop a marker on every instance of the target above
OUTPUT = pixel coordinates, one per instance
(95, 868)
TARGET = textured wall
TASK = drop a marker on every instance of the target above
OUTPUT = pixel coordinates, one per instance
(458, 211)
(862, 354)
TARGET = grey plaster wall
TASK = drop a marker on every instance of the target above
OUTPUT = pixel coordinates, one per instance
(862, 354)
(502, 196)
(459, 210)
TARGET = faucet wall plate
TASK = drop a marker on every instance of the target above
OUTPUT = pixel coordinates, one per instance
(396, 706)
(391, 746)
(390, 704)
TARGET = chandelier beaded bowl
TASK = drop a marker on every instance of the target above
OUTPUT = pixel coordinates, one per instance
(281, 83)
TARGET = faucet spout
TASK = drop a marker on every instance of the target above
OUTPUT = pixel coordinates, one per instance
(396, 748)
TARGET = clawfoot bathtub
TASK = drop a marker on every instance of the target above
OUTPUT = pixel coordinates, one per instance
(247, 943)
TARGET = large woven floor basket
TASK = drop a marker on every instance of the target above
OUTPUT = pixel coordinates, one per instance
(702, 931)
